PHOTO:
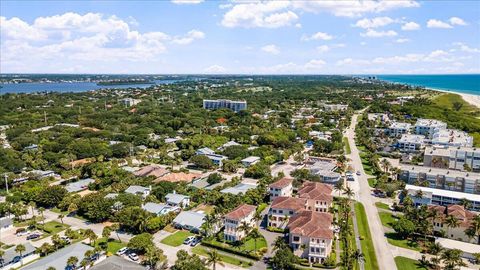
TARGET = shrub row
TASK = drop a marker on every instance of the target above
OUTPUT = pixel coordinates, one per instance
(249, 255)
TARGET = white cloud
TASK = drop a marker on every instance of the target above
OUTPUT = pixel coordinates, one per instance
(350, 61)
(215, 69)
(189, 37)
(187, 2)
(298, 25)
(465, 48)
(272, 49)
(270, 14)
(374, 22)
(457, 21)
(402, 40)
(315, 64)
(375, 34)
(80, 40)
(323, 48)
(318, 36)
(410, 26)
(433, 23)
(352, 8)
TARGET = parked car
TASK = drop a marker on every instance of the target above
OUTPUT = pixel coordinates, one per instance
(66, 239)
(21, 231)
(122, 251)
(189, 240)
(133, 256)
(33, 236)
(195, 241)
(359, 173)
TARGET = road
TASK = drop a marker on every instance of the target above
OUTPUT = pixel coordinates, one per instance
(363, 194)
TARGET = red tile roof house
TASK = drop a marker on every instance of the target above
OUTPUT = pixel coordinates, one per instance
(282, 187)
(242, 214)
(319, 196)
(463, 216)
(311, 235)
(282, 209)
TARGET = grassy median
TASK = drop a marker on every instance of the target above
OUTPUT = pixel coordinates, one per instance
(366, 238)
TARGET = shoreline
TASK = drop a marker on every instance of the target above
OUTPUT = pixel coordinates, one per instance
(469, 98)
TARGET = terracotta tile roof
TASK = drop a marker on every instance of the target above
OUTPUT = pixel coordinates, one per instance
(178, 177)
(311, 224)
(458, 211)
(288, 203)
(153, 169)
(81, 162)
(316, 191)
(285, 181)
(240, 212)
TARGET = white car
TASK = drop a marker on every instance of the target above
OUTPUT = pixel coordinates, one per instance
(189, 240)
(122, 251)
(133, 256)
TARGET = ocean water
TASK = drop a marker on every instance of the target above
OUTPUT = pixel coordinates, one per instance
(461, 83)
(69, 87)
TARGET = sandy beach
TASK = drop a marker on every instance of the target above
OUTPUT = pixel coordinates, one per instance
(472, 99)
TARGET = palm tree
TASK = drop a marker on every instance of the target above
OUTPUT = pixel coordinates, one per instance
(61, 216)
(41, 210)
(72, 261)
(207, 226)
(349, 192)
(20, 249)
(338, 187)
(115, 227)
(107, 230)
(466, 203)
(358, 256)
(435, 249)
(474, 229)
(213, 258)
(451, 222)
(32, 205)
(255, 234)
(244, 227)
(452, 258)
(91, 236)
(279, 243)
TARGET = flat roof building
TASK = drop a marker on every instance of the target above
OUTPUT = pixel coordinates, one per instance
(427, 126)
(451, 137)
(233, 105)
(441, 197)
(398, 128)
(411, 143)
(449, 157)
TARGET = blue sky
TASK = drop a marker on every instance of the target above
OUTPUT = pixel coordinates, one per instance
(246, 37)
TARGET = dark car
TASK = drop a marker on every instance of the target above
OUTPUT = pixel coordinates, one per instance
(33, 236)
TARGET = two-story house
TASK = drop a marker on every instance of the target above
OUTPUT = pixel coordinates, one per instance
(463, 217)
(281, 188)
(282, 209)
(235, 221)
(311, 235)
(319, 196)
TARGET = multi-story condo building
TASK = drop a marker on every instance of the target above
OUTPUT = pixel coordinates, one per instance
(335, 107)
(453, 180)
(411, 143)
(282, 209)
(464, 218)
(427, 126)
(456, 158)
(233, 105)
(282, 187)
(451, 137)
(432, 196)
(319, 196)
(233, 221)
(396, 129)
(310, 235)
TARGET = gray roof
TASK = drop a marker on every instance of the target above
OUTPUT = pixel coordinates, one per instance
(79, 185)
(11, 254)
(190, 218)
(251, 159)
(240, 188)
(111, 196)
(204, 151)
(175, 198)
(58, 259)
(117, 263)
(136, 189)
(158, 208)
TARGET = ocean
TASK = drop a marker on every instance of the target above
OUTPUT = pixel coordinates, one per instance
(65, 87)
(461, 83)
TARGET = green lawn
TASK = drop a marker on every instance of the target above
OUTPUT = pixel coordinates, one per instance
(407, 264)
(202, 251)
(176, 239)
(348, 151)
(364, 231)
(113, 245)
(387, 218)
(53, 227)
(249, 245)
(395, 240)
(382, 205)
(261, 207)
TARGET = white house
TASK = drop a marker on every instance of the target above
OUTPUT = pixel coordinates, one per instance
(281, 188)
(139, 190)
(242, 214)
(177, 200)
(249, 161)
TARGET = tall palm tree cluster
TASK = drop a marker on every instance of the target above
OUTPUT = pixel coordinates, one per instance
(351, 255)
(451, 259)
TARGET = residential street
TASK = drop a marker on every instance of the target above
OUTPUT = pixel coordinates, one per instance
(363, 194)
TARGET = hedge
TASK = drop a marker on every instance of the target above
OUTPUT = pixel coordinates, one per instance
(231, 250)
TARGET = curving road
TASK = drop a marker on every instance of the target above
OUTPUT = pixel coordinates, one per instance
(363, 195)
